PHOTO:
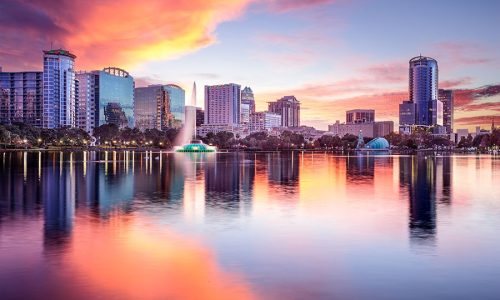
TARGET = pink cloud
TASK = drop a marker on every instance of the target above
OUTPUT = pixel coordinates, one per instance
(483, 121)
(450, 84)
(453, 55)
(388, 72)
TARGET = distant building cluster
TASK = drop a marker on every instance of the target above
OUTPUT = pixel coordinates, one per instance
(230, 108)
(361, 120)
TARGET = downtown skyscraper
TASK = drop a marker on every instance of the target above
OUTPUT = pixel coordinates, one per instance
(222, 104)
(288, 108)
(59, 93)
(423, 107)
(105, 97)
(447, 97)
(247, 97)
(21, 98)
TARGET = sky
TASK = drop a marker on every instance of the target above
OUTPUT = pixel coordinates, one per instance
(333, 55)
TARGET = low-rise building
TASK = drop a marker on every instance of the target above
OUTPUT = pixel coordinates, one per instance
(361, 120)
(341, 129)
(264, 121)
(204, 129)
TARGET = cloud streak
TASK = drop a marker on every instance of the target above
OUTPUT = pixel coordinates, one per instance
(107, 32)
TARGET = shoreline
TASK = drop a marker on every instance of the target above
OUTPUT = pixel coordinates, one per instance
(350, 151)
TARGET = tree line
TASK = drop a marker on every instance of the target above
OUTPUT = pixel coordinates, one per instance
(25, 136)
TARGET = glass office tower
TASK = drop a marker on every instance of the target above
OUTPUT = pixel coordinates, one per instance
(21, 98)
(105, 97)
(116, 98)
(177, 100)
(59, 99)
(423, 91)
(152, 108)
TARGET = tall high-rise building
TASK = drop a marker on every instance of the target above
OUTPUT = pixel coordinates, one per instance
(447, 98)
(288, 108)
(248, 98)
(222, 104)
(152, 108)
(177, 101)
(21, 98)
(423, 91)
(423, 107)
(59, 99)
(105, 96)
(245, 113)
(116, 90)
(88, 98)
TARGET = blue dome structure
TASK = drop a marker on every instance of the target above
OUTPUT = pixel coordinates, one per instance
(378, 144)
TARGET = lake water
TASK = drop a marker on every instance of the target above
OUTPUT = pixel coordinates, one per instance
(143, 225)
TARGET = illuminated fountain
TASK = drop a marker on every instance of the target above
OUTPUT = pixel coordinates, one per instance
(187, 138)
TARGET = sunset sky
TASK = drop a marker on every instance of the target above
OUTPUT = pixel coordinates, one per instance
(332, 55)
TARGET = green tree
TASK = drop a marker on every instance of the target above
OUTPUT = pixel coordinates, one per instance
(106, 133)
(349, 141)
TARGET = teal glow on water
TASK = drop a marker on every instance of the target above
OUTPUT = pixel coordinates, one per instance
(125, 225)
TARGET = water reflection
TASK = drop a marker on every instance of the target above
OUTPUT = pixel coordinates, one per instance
(235, 224)
(419, 173)
(58, 196)
(428, 180)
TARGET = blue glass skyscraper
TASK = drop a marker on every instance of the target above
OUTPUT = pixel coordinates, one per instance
(423, 107)
(423, 91)
(105, 97)
(59, 99)
(177, 99)
(116, 98)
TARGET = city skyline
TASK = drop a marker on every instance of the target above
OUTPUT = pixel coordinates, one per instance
(323, 52)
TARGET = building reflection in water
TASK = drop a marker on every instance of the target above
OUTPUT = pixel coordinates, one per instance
(20, 191)
(229, 180)
(58, 194)
(427, 179)
(360, 168)
(283, 168)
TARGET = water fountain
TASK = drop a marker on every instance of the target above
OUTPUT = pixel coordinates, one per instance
(187, 138)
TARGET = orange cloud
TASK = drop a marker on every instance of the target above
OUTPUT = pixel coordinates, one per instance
(122, 33)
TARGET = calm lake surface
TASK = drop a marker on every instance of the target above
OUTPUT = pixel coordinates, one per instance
(125, 225)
